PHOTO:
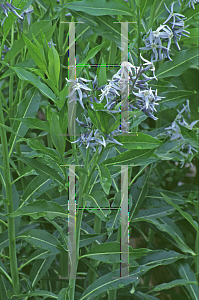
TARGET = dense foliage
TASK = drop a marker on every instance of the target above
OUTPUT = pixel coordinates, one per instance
(158, 143)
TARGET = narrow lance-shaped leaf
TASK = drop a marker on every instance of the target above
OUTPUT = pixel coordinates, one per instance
(105, 178)
(54, 65)
(91, 54)
(187, 273)
(187, 216)
(40, 293)
(110, 252)
(41, 208)
(26, 108)
(18, 45)
(27, 76)
(138, 141)
(170, 285)
(39, 269)
(98, 8)
(108, 282)
(135, 157)
(42, 239)
(35, 123)
(97, 200)
(189, 136)
(182, 61)
(138, 195)
(56, 134)
(4, 272)
(35, 53)
(42, 169)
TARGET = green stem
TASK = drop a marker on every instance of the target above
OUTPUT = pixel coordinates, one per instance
(78, 226)
(11, 81)
(113, 293)
(97, 229)
(10, 207)
(112, 54)
(150, 242)
(21, 166)
(197, 250)
(83, 189)
(142, 169)
(182, 6)
(139, 37)
(152, 14)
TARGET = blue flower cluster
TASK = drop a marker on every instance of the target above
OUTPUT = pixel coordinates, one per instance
(8, 7)
(159, 41)
(190, 3)
(173, 131)
(144, 99)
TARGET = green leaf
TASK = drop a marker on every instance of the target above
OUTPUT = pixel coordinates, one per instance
(44, 25)
(56, 134)
(182, 61)
(44, 89)
(29, 63)
(138, 192)
(143, 6)
(39, 269)
(171, 231)
(138, 117)
(143, 296)
(193, 38)
(160, 257)
(54, 65)
(37, 293)
(63, 118)
(41, 148)
(41, 208)
(102, 78)
(9, 129)
(42, 169)
(28, 107)
(42, 239)
(4, 272)
(91, 54)
(135, 157)
(190, 14)
(63, 294)
(98, 8)
(137, 141)
(87, 239)
(189, 136)
(187, 216)
(154, 213)
(35, 123)
(173, 98)
(109, 282)
(97, 200)
(35, 53)
(106, 282)
(37, 254)
(105, 178)
(110, 252)
(170, 285)
(186, 272)
(107, 121)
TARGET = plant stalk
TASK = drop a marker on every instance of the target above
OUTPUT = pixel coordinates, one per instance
(113, 293)
(10, 206)
(97, 229)
(83, 190)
